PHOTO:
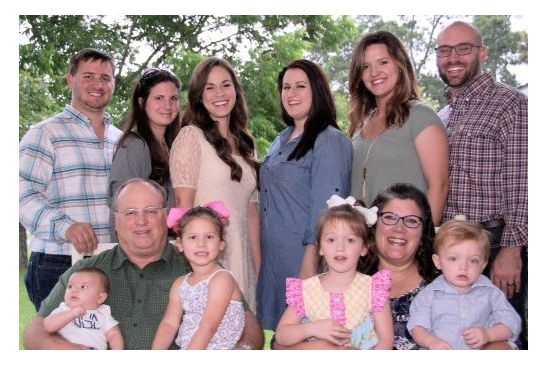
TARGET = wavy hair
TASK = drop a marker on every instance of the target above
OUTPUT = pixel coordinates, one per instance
(322, 112)
(362, 101)
(403, 191)
(138, 124)
(196, 114)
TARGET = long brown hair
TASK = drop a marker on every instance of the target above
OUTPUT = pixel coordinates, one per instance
(197, 114)
(137, 123)
(362, 101)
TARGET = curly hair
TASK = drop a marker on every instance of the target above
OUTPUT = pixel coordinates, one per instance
(403, 191)
(196, 114)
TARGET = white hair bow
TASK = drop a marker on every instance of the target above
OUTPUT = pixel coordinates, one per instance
(370, 214)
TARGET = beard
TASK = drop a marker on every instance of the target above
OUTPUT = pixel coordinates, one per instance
(472, 71)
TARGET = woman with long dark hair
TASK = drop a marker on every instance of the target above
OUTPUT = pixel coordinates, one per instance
(149, 132)
(307, 163)
(395, 136)
(214, 158)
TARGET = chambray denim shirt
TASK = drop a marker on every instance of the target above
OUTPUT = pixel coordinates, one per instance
(445, 313)
(293, 193)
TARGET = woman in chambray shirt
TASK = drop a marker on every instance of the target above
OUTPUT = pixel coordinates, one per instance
(307, 163)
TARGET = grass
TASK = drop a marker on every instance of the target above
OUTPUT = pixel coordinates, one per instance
(26, 309)
(27, 312)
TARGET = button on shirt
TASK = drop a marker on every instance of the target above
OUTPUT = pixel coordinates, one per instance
(444, 312)
(487, 129)
(63, 176)
(138, 297)
(294, 193)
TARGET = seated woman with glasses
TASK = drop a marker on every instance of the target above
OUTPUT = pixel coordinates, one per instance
(149, 131)
(402, 242)
(395, 136)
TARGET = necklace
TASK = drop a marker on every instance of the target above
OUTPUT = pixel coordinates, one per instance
(366, 156)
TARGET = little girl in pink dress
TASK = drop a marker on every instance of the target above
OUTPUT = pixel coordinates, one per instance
(341, 306)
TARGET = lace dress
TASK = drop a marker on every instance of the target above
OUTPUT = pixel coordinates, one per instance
(194, 164)
(194, 300)
(352, 308)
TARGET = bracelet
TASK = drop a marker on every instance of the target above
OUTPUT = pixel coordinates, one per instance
(246, 347)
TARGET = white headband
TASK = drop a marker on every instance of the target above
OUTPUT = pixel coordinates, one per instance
(370, 214)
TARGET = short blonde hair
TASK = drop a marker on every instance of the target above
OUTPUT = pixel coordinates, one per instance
(454, 232)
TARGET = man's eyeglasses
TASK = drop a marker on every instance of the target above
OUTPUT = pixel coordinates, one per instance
(149, 212)
(462, 49)
(391, 219)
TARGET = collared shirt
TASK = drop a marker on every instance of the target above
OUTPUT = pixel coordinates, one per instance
(487, 129)
(444, 312)
(63, 176)
(294, 193)
(138, 298)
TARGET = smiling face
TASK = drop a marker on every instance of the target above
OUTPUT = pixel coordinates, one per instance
(458, 71)
(341, 246)
(162, 105)
(397, 245)
(201, 242)
(296, 94)
(461, 263)
(219, 95)
(86, 290)
(380, 71)
(92, 86)
(141, 236)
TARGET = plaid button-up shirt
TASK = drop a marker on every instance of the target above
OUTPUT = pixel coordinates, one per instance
(486, 124)
(63, 176)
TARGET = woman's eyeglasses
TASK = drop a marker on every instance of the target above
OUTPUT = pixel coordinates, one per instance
(391, 219)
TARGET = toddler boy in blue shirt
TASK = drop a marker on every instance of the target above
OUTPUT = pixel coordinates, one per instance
(461, 309)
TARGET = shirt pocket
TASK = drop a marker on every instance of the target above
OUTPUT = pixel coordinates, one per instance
(292, 174)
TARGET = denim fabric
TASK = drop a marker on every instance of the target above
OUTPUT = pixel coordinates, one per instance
(293, 195)
(519, 302)
(43, 273)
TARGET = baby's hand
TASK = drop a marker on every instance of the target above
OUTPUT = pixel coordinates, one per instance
(438, 344)
(475, 338)
(328, 330)
(78, 311)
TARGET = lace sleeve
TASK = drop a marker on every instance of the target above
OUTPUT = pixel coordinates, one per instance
(382, 281)
(294, 295)
(184, 159)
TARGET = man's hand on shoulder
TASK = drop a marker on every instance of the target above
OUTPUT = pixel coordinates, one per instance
(83, 238)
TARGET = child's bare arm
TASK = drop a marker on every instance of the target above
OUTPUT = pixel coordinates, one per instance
(290, 331)
(172, 319)
(425, 339)
(54, 322)
(221, 289)
(384, 328)
(115, 338)
(476, 338)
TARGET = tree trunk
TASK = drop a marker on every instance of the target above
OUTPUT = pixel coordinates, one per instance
(23, 261)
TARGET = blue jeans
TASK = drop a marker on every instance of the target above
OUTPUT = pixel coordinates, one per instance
(43, 273)
(519, 301)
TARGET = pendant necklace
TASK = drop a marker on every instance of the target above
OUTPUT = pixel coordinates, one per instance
(366, 157)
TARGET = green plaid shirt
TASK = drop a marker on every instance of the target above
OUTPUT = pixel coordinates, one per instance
(138, 298)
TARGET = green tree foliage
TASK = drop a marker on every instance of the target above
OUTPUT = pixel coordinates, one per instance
(181, 42)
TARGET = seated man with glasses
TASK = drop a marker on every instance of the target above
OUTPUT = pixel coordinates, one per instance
(141, 270)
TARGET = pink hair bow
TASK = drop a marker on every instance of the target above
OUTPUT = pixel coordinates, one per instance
(175, 214)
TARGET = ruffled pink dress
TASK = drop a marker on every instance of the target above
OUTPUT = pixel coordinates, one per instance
(351, 308)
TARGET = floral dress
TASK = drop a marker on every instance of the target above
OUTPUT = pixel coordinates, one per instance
(400, 314)
(194, 300)
(352, 308)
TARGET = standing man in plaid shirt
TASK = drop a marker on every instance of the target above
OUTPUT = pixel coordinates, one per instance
(64, 163)
(486, 123)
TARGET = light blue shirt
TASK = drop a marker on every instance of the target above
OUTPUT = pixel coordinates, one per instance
(446, 313)
(63, 175)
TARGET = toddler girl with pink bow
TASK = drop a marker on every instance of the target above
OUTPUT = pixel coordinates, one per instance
(208, 300)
